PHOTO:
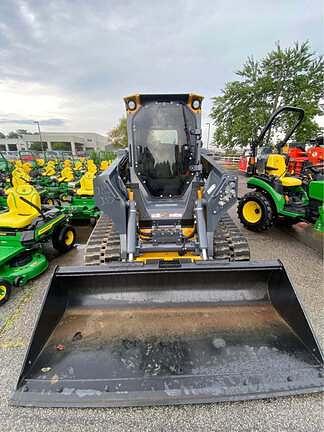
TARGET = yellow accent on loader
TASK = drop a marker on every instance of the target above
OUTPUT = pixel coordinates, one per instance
(166, 256)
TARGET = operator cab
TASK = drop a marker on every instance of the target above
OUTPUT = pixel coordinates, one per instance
(164, 143)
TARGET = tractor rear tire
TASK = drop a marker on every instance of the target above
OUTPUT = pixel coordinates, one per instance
(5, 291)
(64, 237)
(255, 212)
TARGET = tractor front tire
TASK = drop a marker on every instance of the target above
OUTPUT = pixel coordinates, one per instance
(5, 291)
(64, 238)
(255, 212)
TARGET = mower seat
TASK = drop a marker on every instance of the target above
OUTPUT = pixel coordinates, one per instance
(86, 184)
(49, 171)
(104, 164)
(78, 165)
(91, 166)
(276, 165)
(19, 178)
(20, 213)
(66, 175)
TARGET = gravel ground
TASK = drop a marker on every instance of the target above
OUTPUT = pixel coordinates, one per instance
(302, 413)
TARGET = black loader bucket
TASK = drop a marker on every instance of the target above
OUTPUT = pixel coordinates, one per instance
(127, 335)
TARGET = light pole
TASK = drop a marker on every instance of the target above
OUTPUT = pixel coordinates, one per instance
(208, 134)
(40, 137)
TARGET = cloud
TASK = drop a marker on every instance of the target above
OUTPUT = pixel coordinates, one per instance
(87, 55)
(46, 122)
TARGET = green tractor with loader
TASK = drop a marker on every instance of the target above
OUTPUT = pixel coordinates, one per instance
(277, 196)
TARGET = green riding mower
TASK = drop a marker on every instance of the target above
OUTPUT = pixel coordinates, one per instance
(5, 166)
(3, 186)
(5, 171)
(78, 202)
(277, 195)
(54, 193)
(23, 229)
(81, 203)
(54, 189)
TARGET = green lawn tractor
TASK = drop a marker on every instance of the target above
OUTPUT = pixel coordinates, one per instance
(82, 209)
(23, 229)
(278, 196)
(81, 203)
(54, 193)
(3, 186)
(5, 173)
(5, 166)
(56, 188)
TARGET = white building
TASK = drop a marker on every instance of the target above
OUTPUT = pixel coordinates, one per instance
(76, 142)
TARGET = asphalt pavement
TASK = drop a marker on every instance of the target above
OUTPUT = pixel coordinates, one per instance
(301, 413)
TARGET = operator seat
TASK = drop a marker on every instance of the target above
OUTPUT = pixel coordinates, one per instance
(20, 214)
(276, 166)
(86, 184)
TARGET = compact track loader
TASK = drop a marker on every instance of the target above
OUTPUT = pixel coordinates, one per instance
(169, 309)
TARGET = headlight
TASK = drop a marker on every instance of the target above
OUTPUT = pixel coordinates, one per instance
(195, 104)
(131, 105)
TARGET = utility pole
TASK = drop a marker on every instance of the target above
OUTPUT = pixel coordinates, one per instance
(40, 137)
(208, 134)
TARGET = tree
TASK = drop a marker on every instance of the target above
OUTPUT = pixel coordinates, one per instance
(2, 135)
(12, 134)
(36, 145)
(118, 135)
(61, 146)
(22, 132)
(292, 76)
(17, 133)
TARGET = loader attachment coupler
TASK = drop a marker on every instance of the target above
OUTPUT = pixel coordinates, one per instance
(127, 335)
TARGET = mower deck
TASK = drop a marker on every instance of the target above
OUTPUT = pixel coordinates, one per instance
(21, 274)
(9, 252)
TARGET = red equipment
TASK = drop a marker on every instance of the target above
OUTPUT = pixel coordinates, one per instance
(297, 157)
(316, 155)
(243, 163)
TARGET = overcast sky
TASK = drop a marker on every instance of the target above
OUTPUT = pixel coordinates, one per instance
(68, 63)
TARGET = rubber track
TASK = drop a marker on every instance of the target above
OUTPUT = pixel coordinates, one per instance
(229, 242)
(104, 244)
